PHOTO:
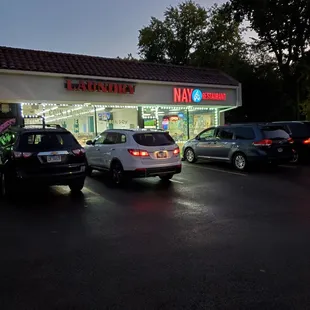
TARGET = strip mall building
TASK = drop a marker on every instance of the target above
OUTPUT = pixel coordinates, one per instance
(90, 94)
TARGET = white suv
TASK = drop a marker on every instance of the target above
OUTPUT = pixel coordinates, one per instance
(127, 153)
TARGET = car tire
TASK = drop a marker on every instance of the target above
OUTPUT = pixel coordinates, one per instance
(76, 186)
(117, 174)
(239, 162)
(166, 178)
(190, 156)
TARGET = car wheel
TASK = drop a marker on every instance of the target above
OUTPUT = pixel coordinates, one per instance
(166, 177)
(117, 173)
(239, 162)
(190, 155)
(76, 186)
(295, 159)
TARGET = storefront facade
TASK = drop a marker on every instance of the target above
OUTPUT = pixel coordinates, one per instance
(87, 104)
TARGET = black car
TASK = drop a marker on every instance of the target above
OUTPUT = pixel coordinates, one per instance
(241, 144)
(300, 133)
(40, 155)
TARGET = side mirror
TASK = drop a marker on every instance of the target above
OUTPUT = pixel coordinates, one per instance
(89, 142)
(197, 137)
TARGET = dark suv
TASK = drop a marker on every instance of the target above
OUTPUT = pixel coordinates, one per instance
(241, 144)
(40, 155)
(300, 133)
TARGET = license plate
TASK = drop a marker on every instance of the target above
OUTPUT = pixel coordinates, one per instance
(280, 150)
(161, 155)
(54, 159)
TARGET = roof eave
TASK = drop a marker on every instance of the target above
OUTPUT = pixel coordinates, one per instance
(63, 75)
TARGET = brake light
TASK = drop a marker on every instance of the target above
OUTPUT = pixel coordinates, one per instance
(22, 154)
(307, 141)
(78, 152)
(290, 140)
(265, 142)
(138, 153)
(176, 151)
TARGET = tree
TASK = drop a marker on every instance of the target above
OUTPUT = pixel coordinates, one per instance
(283, 29)
(193, 35)
(173, 39)
(222, 45)
(152, 41)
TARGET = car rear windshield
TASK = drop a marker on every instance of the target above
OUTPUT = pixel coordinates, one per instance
(47, 141)
(275, 132)
(153, 139)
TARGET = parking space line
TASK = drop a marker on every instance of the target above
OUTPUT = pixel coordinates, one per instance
(287, 166)
(90, 191)
(176, 181)
(218, 170)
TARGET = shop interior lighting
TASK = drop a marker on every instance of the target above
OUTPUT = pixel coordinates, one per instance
(45, 111)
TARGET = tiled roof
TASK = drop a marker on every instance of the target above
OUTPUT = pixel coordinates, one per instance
(52, 62)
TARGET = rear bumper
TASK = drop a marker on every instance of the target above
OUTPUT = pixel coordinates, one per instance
(59, 178)
(153, 172)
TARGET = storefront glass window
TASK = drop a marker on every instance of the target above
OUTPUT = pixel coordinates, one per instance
(200, 119)
(182, 123)
(84, 121)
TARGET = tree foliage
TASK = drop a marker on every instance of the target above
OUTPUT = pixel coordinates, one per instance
(283, 29)
(192, 35)
(283, 26)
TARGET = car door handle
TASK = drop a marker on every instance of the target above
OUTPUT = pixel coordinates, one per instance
(97, 149)
(112, 149)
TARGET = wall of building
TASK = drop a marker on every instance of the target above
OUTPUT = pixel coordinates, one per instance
(31, 88)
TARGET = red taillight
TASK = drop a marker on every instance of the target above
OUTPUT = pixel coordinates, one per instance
(265, 142)
(307, 141)
(78, 152)
(290, 140)
(27, 155)
(176, 151)
(138, 153)
(22, 154)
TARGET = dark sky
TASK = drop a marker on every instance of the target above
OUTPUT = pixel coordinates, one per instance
(93, 27)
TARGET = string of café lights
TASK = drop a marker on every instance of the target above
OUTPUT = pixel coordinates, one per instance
(77, 107)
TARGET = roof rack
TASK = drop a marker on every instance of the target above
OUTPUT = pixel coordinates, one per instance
(148, 129)
(251, 123)
(289, 121)
(56, 126)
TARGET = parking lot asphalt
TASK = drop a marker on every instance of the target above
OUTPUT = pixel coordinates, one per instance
(213, 238)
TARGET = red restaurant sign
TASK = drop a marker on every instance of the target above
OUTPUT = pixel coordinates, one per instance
(101, 87)
(189, 95)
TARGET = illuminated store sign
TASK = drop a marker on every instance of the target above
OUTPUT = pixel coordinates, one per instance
(189, 95)
(7, 124)
(101, 87)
